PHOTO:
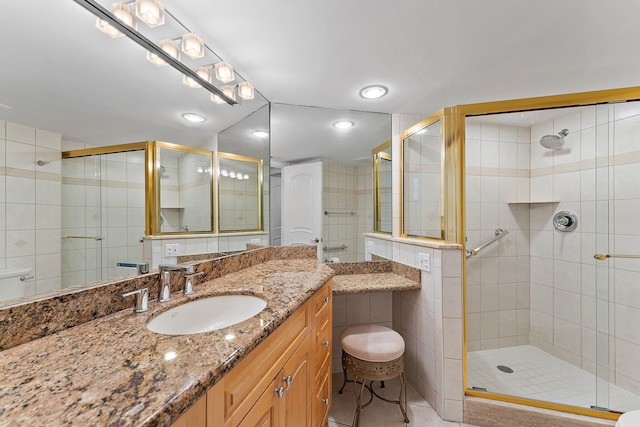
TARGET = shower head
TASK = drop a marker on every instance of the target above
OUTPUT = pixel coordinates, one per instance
(554, 142)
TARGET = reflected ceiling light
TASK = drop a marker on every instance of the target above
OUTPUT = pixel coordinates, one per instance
(421, 131)
(151, 12)
(170, 355)
(124, 13)
(168, 46)
(260, 133)
(192, 46)
(245, 90)
(194, 118)
(203, 72)
(343, 124)
(224, 72)
(373, 92)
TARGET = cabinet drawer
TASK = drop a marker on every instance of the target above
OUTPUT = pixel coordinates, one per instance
(322, 399)
(244, 384)
(322, 343)
(322, 300)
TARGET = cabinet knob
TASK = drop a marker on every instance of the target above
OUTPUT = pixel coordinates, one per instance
(326, 300)
(279, 392)
(326, 343)
(287, 380)
(326, 401)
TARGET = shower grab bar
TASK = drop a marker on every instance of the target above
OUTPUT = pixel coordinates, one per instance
(83, 237)
(334, 248)
(352, 213)
(604, 257)
(500, 233)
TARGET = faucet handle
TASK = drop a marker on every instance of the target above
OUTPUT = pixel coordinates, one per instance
(142, 299)
(188, 282)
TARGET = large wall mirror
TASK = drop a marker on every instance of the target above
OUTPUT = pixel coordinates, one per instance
(116, 97)
(239, 193)
(422, 166)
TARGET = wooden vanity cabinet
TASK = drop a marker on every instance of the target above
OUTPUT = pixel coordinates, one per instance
(284, 382)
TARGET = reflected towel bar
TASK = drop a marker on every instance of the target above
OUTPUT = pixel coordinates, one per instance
(604, 257)
(334, 248)
(500, 233)
(352, 213)
(83, 237)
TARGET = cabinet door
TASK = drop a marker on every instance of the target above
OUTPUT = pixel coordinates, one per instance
(321, 401)
(265, 411)
(296, 381)
(196, 416)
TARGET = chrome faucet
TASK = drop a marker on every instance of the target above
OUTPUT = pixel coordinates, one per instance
(165, 274)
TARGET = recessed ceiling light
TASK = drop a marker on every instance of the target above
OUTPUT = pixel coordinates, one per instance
(260, 133)
(373, 92)
(194, 118)
(343, 124)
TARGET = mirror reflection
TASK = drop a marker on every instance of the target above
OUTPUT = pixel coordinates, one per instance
(382, 192)
(185, 188)
(422, 182)
(239, 193)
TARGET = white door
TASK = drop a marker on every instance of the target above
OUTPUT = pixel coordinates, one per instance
(302, 205)
(275, 207)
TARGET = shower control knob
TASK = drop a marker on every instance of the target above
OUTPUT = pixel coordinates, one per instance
(565, 221)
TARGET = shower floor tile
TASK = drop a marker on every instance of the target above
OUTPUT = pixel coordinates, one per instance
(541, 376)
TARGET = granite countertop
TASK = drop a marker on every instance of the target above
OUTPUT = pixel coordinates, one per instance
(371, 282)
(113, 371)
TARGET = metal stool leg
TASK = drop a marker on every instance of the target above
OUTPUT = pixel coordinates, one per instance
(356, 416)
(344, 383)
(402, 399)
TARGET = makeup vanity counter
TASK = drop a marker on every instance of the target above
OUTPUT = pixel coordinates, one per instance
(113, 371)
(381, 276)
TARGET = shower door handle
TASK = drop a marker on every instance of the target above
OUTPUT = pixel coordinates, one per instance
(604, 257)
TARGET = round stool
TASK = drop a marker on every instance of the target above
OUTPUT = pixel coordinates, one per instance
(373, 353)
(629, 419)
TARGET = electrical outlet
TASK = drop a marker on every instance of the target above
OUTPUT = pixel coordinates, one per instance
(171, 249)
(424, 261)
(371, 246)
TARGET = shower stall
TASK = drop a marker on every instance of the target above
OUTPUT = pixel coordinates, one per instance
(552, 198)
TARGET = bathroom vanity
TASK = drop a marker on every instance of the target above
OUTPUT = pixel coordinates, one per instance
(113, 371)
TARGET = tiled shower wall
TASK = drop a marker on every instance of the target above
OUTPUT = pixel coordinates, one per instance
(497, 178)
(30, 204)
(584, 311)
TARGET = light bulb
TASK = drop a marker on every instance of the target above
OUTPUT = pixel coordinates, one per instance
(224, 172)
(232, 174)
(246, 176)
(151, 12)
(124, 13)
(203, 72)
(245, 90)
(170, 47)
(229, 91)
(192, 46)
(224, 72)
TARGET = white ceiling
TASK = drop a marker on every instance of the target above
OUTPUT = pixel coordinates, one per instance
(59, 73)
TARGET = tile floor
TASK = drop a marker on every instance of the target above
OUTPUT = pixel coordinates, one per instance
(383, 414)
(541, 376)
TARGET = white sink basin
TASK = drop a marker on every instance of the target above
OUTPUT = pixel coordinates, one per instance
(207, 314)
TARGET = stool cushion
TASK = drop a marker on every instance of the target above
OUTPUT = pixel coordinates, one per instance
(629, 419)
(373, 343)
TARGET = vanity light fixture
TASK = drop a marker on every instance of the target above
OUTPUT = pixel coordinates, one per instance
(239, 176)
(232, 174)
(224, 72)
(192, 46)
(246, 176)
(224, 172)
(124, 13)
(203, 72)
(193, 117)
(260, 133)
(229, 91)
(121, 20)
(245, 90)
(151, 12)
(343, 124)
